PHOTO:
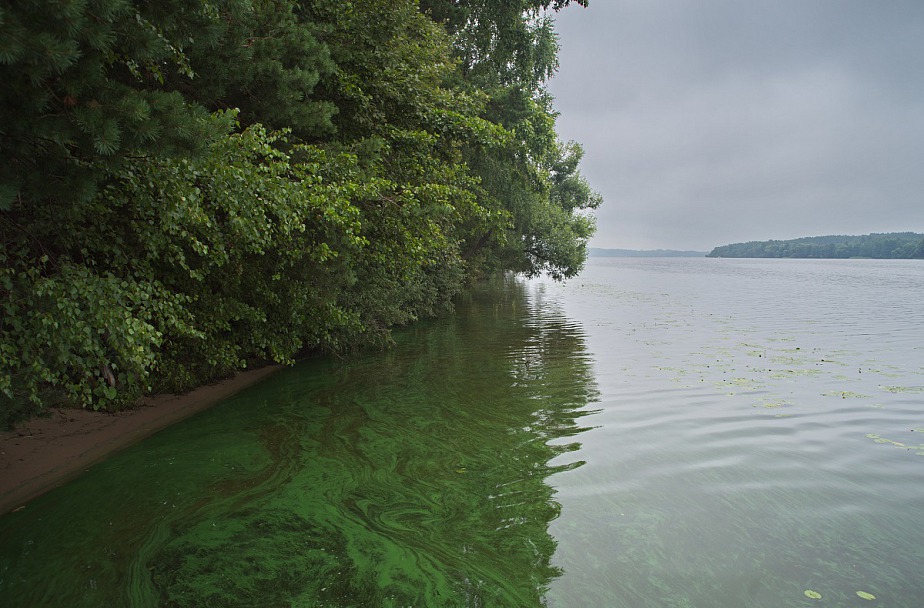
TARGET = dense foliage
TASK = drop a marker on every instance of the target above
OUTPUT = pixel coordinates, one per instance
(895, 245)
(188, 186)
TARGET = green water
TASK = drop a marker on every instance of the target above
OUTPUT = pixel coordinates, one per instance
(657, 433)
(414, 477)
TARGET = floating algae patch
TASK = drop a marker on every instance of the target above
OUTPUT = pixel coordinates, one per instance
(772, 403)
(812, 594)
(881, 369)
(917, 449)
(782, 374)
(913, 390)
(270, 559)
(680, 374)
(845, 395)
(730, 385)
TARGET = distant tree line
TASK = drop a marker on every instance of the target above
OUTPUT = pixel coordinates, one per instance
(190, 186)
(896, 245)
(644, 253)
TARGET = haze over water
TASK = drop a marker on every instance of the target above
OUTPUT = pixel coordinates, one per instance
(657, 432)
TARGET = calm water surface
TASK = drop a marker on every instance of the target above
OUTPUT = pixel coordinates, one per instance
(682, 432)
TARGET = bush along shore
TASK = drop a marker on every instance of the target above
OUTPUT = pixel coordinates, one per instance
(189, 186)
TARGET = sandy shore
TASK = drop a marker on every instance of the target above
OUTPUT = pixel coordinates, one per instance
(45, 452)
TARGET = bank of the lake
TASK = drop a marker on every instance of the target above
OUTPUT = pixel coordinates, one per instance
(46, 451)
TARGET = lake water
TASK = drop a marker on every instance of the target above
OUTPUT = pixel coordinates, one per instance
(657, 432)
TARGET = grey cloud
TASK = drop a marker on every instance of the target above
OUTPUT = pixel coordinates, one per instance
(711, 122)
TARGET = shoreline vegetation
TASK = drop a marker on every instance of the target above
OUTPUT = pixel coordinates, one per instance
(877, 246)
(189, 187)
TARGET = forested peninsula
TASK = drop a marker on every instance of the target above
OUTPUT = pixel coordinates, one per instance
(189, 187)
(887, 246)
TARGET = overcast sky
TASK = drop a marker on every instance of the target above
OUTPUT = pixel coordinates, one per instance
(708, 122)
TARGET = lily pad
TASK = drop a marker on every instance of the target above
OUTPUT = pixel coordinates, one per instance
(814, 594)
(865, 595)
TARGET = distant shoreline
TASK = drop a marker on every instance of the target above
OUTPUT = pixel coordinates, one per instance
(598, 252)
(875, 246)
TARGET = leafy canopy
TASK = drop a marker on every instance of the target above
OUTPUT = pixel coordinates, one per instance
(190, 187)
